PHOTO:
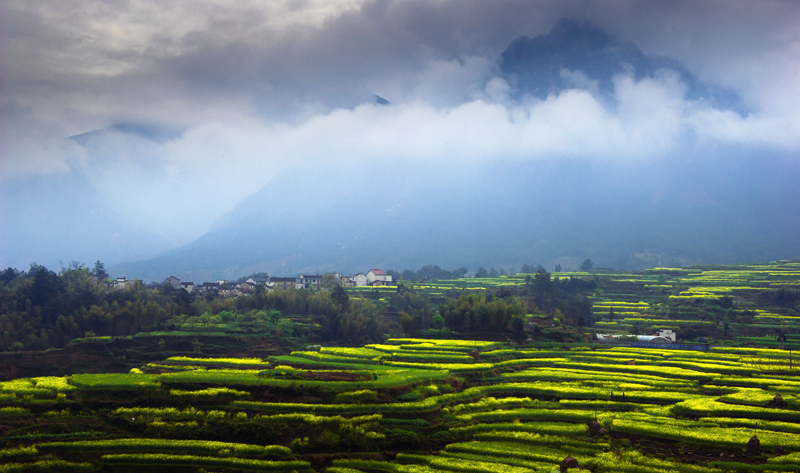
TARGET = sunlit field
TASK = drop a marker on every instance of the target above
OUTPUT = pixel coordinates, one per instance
(416, 405)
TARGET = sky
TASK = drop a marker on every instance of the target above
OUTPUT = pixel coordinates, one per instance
(206, 101)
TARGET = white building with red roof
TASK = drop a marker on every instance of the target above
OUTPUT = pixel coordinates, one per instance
(378, 275)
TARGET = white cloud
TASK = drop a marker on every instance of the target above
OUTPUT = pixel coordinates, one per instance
(203, 173)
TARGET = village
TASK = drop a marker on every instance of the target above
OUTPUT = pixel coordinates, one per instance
(223, 288)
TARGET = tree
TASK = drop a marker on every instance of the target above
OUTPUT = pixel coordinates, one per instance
(340, 297)
(493, 273)
(100, 270)
(587, 265)
(437, 322)
(558, 268)
(408, 324)
(9, 274)
(481, 272)
(329, 281)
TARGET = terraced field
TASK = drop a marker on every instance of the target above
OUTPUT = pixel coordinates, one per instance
(416, 405)
(745, 304)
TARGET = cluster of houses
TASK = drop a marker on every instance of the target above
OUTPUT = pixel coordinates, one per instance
(374, 277)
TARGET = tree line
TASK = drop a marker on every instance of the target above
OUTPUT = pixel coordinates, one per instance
(41, 308)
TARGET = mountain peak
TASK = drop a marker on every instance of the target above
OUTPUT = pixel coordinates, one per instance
(534, 66)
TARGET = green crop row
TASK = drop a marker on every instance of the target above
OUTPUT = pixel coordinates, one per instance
(217, 361)
(755, 424)
(461, 465)
(428, 404)
(115, 381)
(782, 385)
(215, 376)
(13, 412)
(208, 393)
(611, 391)
(575, 445)
(161, 459)
(46, 466)
(328, 357)
(41, 386)
(635, 462)
(548, 428)
(752, 397)
(312, 419)
(449, 344)
(512, 450)
(362, 352)
(568, 415)
(152, 413)
(659, 371)
(501, 463)
(727, 437)
(430, 357)
(170, 446)
(490, 403)
(707, 407)
(20, 453)
(455, 367)
(565, 374)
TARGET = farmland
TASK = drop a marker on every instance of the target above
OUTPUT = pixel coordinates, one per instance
(452, 402)
(354, 409)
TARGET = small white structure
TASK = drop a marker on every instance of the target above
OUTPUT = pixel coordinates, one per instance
(652, 339)
(668, 334)
(189, 286)
(612, 338)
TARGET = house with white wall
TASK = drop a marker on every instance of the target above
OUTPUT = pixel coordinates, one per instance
(360, 279)
(378, 275)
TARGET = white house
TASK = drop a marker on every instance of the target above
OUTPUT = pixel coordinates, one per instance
(306, 281)
(259, 281)
(378, 275)
(360, 280)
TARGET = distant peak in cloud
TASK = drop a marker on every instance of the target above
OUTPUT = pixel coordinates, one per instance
(547, 64)
(151, 132)
(380, 100)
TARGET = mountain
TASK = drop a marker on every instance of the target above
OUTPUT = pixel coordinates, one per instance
(546, 64)
(390, 216)
(60, 217)
(727, 205)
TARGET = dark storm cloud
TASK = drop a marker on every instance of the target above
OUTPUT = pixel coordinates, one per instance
(143, 52)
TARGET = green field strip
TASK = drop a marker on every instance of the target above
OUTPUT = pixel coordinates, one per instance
(731, 437)
(546, 428)
(144, 445)
(161, 459)
(708, 407)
